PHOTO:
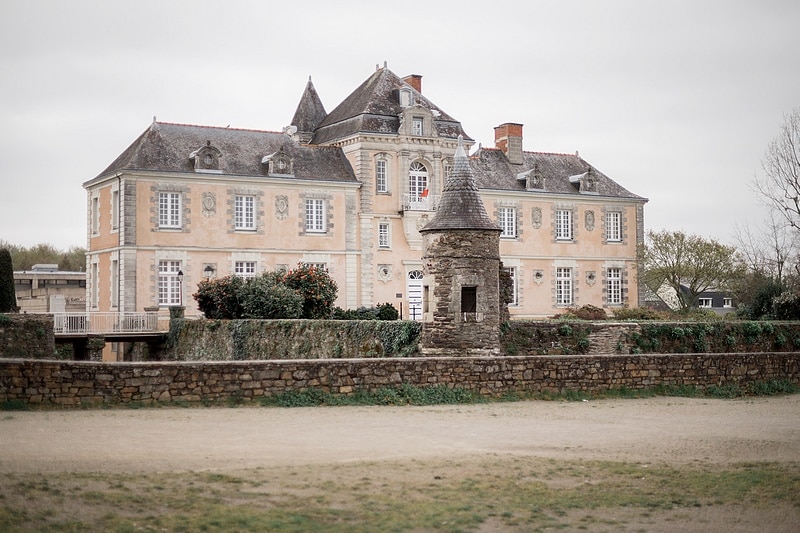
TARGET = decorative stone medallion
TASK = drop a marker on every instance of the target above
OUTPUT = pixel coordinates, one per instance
(538, 277)
(209, 204)
(281, 207)
(589, 220)
(536, 217)
(591, 277)
(385, 273)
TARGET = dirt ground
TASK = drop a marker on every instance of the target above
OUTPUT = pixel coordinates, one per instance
(404, 441)
(658, 430)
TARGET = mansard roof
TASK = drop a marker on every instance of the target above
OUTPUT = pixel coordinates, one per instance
(374, 107)
(310, 112)
(492, 170)
(166, 147)
(461, 206)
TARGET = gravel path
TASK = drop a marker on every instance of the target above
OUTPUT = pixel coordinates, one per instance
(657, 430)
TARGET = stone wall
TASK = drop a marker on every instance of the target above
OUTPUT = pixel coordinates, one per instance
(26, 336)
(77, 383)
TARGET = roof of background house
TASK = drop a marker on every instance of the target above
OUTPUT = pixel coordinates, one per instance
(166, 147)
(374, 107)
(492, 170)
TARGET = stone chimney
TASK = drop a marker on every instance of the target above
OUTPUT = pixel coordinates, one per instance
(415, 80)
(508, 138)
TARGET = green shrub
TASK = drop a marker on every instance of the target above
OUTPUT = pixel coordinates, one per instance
(264, 297)
(786, 306)
(589, 312)
(317, 288)
(636, 313)
(8, 296)
(565, 330)
(220, 298)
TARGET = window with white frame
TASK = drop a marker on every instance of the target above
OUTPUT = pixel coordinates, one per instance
(614, 286)
(507, 219)
(245, 269)
(169, 210)
(95, 294)
(417, 181)
(727, 302)
(322, 267)
(114, 283)
(613, 226)
(705, 302)
(563, 225)
(383, 235)
(169, 285)
(563, 286)
(512, 272)
(381, 178)
(95, 215)
(114, 209)
(315, 215)
(416, 126)
(244, 212)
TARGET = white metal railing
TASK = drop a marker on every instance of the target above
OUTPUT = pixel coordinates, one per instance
(415, 202)
(84, 323)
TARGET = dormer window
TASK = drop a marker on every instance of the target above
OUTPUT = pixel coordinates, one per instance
(533, 179)
(278, 163)
(405, 97)
(586, 182)
(206, 159)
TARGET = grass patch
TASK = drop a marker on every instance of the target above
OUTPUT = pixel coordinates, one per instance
(512, 494)
(402, 395)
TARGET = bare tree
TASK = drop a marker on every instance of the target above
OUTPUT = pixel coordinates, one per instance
(770, 248)
(780, 182)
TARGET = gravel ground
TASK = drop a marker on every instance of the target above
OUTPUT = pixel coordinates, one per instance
(658, 430)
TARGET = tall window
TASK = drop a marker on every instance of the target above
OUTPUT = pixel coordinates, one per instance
(613, 226)
(244, 212)
(114, 283)
(614, 288)
(95, 215)
(315, 216)
(564, 225)
(383, 235)
(563, 286)
(114, 209)
(169, 210)
(508, 221)
(169, 286)
(512, 272)
(416, 126)
(381, 182)
(417, 181)
(245, 269)
(95, 295)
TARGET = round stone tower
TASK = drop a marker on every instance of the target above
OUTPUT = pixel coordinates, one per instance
(461, 266)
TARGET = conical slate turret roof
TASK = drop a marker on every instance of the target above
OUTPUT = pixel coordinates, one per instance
(310, 112)
(461, 206)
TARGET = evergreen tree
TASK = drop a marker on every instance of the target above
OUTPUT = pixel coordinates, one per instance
(8, 298)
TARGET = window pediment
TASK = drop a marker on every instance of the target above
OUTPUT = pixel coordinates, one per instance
(534, 181)
(206, 159)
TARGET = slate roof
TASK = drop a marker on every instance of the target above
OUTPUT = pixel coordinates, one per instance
(165, 147)
(461, 206)
(374, 107)
(310, 112)
(492, 170)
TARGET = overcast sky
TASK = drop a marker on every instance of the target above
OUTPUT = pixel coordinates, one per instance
(675, 100)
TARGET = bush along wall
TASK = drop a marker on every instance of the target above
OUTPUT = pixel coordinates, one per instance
(576, 337)
(716, 337)
(236, 340)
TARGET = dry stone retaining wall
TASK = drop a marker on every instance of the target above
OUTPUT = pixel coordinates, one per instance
(78, 383)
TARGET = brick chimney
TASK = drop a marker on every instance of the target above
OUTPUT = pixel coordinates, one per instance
(415, 80)
(508, 138)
